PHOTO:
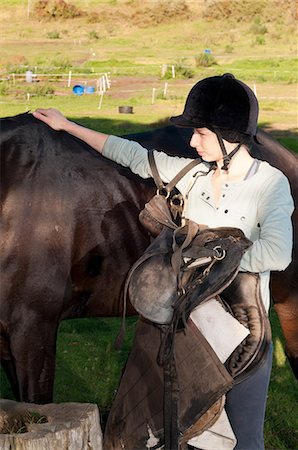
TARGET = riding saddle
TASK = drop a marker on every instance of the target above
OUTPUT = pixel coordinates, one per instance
(185, 267)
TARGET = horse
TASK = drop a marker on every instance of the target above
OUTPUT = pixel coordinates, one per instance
(70, 233)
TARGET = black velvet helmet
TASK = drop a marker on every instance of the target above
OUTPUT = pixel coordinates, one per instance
(220, 103)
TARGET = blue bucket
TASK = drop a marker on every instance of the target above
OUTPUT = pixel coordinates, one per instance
(78, 89)
(90, 90)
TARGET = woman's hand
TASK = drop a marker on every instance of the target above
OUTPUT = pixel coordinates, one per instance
(51, 117)
(58, 122)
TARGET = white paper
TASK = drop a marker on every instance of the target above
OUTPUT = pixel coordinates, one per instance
(223, 332)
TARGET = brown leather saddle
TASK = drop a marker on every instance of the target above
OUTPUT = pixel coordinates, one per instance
(173, 356)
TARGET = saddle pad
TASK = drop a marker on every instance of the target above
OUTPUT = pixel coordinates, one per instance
(137, 411)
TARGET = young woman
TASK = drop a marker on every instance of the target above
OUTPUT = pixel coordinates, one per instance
(235, 190)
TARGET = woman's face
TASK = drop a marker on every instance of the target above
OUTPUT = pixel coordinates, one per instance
(205, 142)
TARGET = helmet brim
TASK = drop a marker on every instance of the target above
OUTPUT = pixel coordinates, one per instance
(182, 121)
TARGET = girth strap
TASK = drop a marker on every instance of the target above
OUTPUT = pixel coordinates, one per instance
(171, 400)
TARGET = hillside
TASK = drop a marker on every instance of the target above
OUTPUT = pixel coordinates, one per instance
(135, 40)
(146, 32)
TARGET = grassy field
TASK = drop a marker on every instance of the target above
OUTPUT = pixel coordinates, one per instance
(132, 40)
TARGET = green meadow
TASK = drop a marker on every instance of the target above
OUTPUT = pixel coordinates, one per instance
(137, 43)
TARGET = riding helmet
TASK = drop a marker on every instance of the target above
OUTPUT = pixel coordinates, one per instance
(220, 103)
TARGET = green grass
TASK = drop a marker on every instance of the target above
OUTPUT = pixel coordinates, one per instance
(88, 360)
(281, 425)
(290, 142)
(89, 369)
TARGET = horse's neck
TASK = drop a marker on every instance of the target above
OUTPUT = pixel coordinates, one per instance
(277, 156)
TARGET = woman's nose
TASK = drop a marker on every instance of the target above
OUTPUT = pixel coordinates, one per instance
(194, 142)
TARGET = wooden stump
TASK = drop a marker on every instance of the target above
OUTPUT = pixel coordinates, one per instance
(69, 426)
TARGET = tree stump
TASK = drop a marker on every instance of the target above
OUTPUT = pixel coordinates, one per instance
(54, 426)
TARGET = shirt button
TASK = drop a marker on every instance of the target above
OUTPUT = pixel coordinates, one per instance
(207, 198)
(203, 193)
(223, 195)
(242, 218)
(226, 211)
(226, 185)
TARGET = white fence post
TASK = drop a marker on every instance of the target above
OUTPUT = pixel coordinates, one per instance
(107, 81)
(165, 89)
(153, 95)
(69, 79)
(100, 100)
(173, 71)
(164, 69)
(103, 83)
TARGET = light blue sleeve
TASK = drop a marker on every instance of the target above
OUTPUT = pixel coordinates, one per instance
(131, 154)
(128, 154)
(273, 249)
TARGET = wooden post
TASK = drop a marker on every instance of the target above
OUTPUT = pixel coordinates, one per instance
(103, 83)
(173, 71)
(107, 81)
(100, 100)
(153, 95)
(164, 69)
(72, 426)
(69, 79)
(165, 90)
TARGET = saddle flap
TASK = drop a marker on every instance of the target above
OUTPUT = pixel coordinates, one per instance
(137, 411)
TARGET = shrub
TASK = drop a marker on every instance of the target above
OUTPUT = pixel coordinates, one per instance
(257, 27)
(181, 71)
(15, 68)
(53, 35)
(56, 9)
(238, 10)
(260, 40)
(61, 63)
(93, 35)
(205, 60)
(229, 48)
(41, 90)
(161, 11)
(93, 17)
(4, 87)
(17, 64)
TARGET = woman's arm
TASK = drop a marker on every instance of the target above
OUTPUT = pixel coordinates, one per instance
(57, 121)
(125, 152)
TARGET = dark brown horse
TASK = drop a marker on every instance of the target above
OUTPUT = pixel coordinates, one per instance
(70, 233)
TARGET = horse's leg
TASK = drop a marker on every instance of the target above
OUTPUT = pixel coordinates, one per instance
(287, 313)
(33, 347)
(285, 295)
(10, 371)
(7, 360)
